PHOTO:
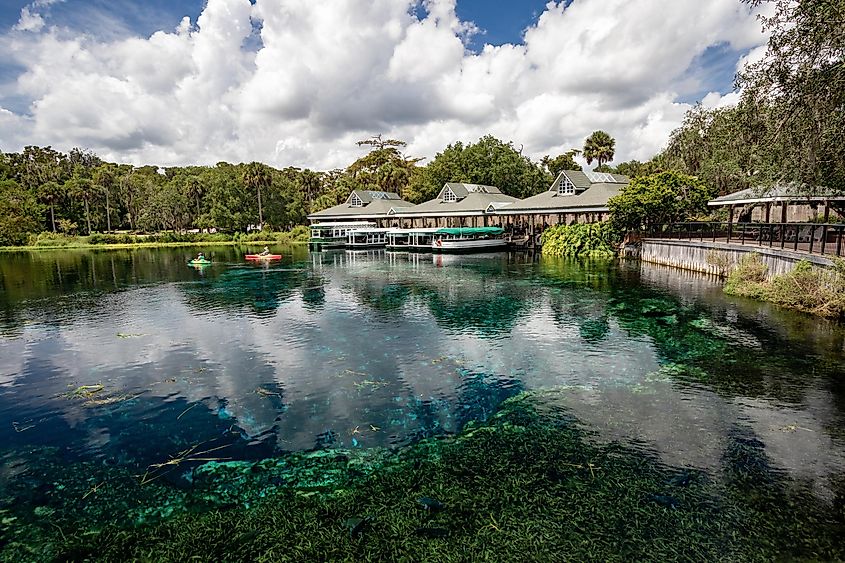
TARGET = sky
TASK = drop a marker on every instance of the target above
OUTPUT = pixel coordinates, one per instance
(298, 82)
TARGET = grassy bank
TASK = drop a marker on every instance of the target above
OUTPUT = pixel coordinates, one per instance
(52, 241)
(819, 291)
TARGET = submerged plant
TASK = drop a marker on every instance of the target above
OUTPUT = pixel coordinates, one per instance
(528, 481)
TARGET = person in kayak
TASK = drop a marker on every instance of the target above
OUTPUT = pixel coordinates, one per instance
(200, 257)
(265, 252)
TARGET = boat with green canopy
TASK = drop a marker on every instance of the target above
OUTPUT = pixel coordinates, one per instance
(468, 239)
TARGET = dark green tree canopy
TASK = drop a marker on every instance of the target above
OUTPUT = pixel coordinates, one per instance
(799, 86)
(561, 162)
(650, 201)
(490, 162)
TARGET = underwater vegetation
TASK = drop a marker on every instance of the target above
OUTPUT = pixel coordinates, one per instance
(528, 484)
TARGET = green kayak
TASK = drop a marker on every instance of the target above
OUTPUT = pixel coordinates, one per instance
(196, 262)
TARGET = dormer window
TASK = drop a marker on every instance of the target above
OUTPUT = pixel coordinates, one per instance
(355, 201)
(449, 196)
(565, 187)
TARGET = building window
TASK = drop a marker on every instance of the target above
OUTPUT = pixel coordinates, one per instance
(565, 187)
(355, 201)
(449, 196)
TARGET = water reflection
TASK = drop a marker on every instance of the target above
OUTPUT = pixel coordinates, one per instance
(370, 349)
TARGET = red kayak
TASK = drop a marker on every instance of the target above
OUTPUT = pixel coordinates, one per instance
(263, 257)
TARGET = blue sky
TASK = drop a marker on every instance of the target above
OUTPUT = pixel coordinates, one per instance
(501, 21)
(91, 73)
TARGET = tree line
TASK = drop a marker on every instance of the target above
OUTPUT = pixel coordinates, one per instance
(42, 189)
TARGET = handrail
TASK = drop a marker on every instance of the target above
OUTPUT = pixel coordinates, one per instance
(812, 238)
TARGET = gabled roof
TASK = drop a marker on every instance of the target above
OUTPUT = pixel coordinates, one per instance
(461, 190)
(374, 204)
(368, 196)
(471, 199)
(588, 195)
(594, 199)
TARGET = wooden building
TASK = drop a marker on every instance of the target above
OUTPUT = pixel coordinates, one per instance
(573, 197)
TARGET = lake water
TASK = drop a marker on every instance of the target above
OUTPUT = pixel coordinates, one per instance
(133, 366)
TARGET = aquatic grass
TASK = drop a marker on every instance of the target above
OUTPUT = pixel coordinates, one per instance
(529, 484)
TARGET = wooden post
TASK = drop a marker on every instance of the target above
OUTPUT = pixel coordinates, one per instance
(768, 211)
(783, 212)
(826, 211)
(730, 221)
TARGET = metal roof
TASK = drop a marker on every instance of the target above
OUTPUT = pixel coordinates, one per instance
(471, 198)
(373, 206)
(550, 201)
(777, 194)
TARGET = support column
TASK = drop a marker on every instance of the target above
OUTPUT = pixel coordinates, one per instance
(768, 211)
(783, 212)
(730, 221)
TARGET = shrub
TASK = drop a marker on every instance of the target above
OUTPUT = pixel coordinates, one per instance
(748, 278)
(580, 239)
(820, 291)
(300, 233)
(721, 261)
(52, 239)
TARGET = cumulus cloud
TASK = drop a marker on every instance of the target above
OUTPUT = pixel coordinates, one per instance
(31, 19)
(296, 82)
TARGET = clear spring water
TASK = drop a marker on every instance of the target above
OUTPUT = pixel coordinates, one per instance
(129, 358)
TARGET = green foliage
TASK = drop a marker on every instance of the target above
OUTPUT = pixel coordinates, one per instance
(636, 169)
(789, 127)
(489, 162)
(20, 214)
(599, 146)
(728, 148)
(748, 278)
(558, 164)
(808, 288)
(49, 239)
(658, 199)
(798, 89)
(591, 240)
(384, 168)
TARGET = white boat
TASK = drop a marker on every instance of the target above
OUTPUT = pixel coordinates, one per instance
(416, 240)
(469, 239)
(366, 238)
(333, 235)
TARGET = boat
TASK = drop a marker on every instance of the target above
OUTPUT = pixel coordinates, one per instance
(366, 238)
(325, 236)
(412, 240)
(469, 239)
(263, 257)
(202, 262)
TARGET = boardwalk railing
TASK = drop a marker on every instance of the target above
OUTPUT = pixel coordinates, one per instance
(814, 238)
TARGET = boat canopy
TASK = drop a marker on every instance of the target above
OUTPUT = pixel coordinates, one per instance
(462, 231)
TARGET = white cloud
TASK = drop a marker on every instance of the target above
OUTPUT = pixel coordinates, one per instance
(326, 74)
(31, 19)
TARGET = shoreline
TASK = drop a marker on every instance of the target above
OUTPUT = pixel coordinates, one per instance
(133, 245)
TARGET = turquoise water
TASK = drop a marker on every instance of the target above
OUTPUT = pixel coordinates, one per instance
(133, 364)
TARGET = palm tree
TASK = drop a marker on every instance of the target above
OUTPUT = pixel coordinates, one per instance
(255, 177)
(80, 188)
(599, 146)
(49, 192)
(194, 190)
(104, 181)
